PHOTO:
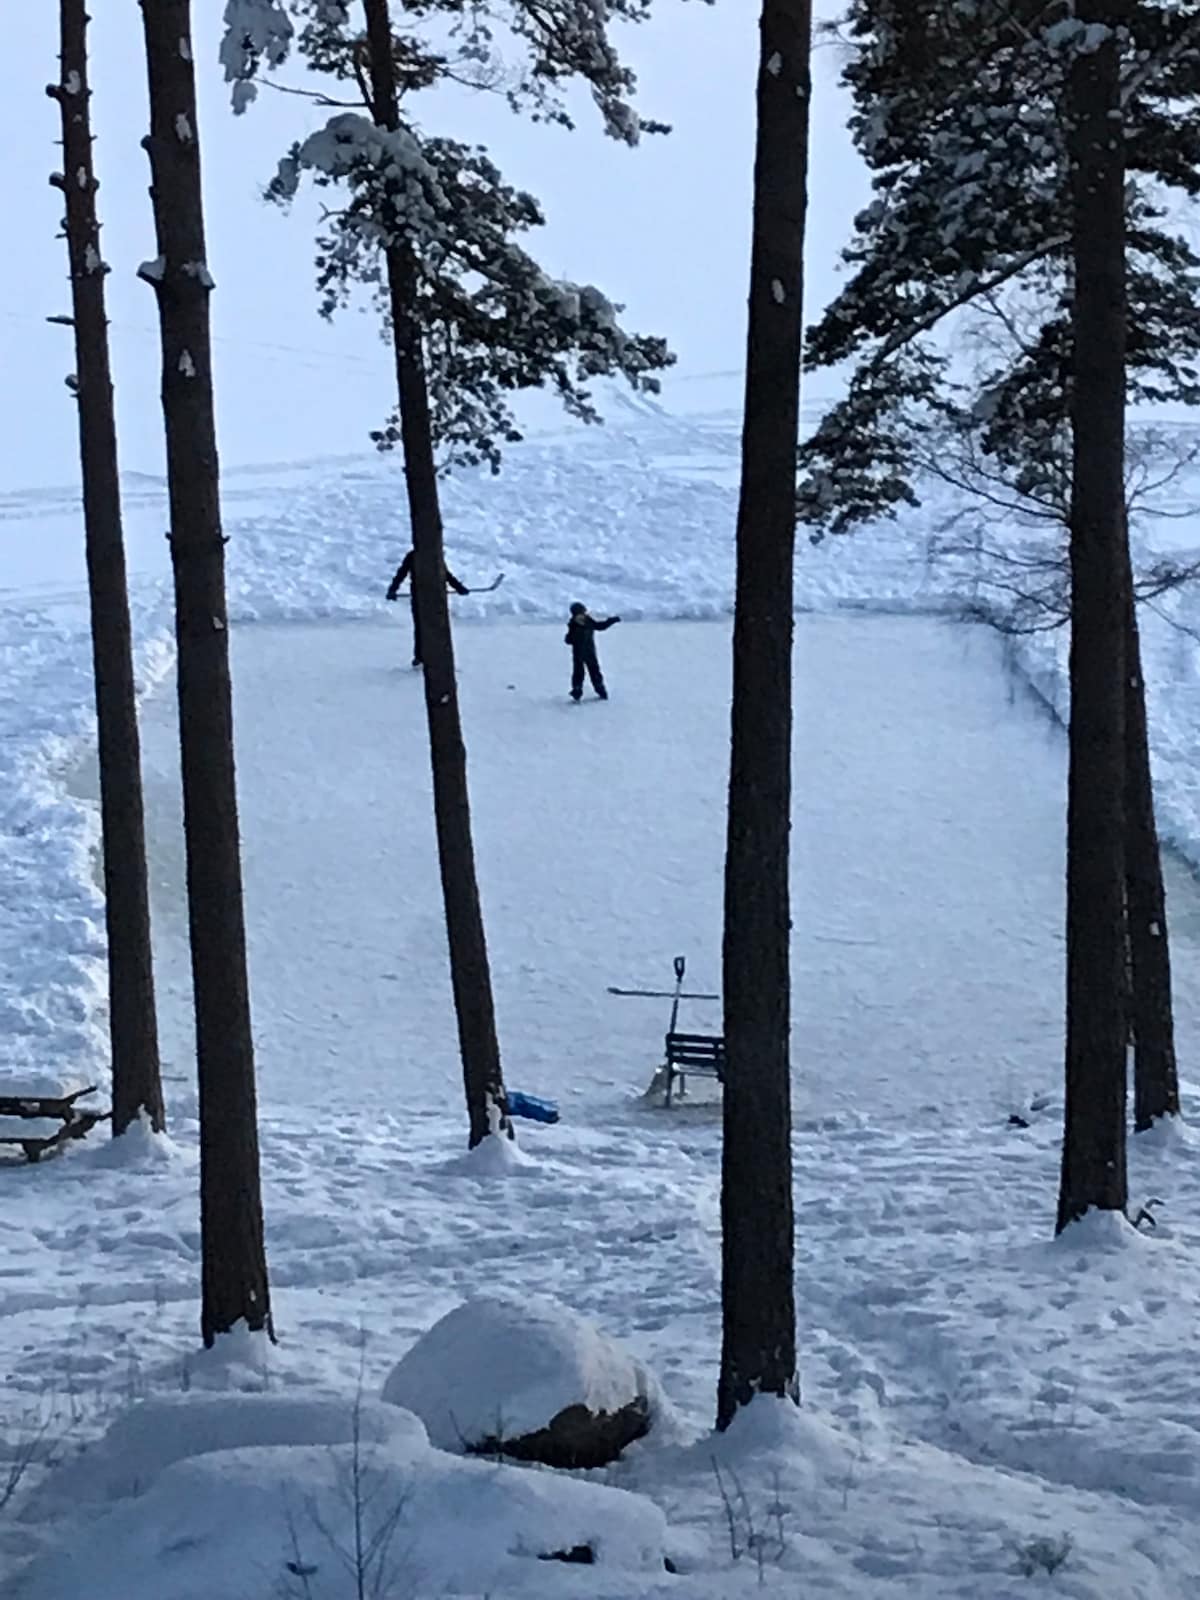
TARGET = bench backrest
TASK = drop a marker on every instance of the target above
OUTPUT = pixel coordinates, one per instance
(695, 1049)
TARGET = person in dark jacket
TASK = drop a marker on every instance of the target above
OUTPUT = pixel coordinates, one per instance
(581, 636)
(404, 570)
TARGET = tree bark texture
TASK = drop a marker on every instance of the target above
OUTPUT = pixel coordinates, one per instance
(758, 1347)
(470, 971)
(1155, 1073)
(133, 1026)
(1093, 1157)
(234, 1267)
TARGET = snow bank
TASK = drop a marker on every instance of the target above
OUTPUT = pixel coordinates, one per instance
(51, 945)
(280, 1519)
(53, 1038)
(501, 1367)
(152, 1436)
(1171, 664)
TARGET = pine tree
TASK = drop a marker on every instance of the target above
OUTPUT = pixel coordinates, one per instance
(233, 1255)
(133, 1026)
(470, 970)
(758, 1315)
(959, 113)
(966, 120)
(1093, 1157)
(471, 317)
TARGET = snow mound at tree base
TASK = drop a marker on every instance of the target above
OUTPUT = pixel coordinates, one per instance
(383, 1515)
(138, 1149)
(525, 1378)
(1098, 1232)
(494, 1157)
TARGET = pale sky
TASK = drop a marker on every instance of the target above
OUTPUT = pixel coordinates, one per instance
(663, 229)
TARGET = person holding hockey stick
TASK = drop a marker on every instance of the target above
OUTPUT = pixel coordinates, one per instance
(581, 636)
(404, 570)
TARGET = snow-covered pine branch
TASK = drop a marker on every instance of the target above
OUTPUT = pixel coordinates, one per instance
(255, 31)
(530, 51)
(958, 112)
(493, 321)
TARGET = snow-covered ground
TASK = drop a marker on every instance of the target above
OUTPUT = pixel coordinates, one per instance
(970, 1387)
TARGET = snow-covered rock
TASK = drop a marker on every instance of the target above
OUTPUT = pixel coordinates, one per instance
(287, 1520)
(526, 1378)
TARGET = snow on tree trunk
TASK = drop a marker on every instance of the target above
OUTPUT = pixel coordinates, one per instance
(133, 1027)
(234, 1267)
(758, 1347)
(1093, 1158)
(1155, 1073)
(470, 971)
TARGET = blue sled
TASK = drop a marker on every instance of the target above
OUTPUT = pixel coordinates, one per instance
(530, 1107)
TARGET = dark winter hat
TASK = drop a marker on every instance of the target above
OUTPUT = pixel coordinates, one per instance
(577, 608)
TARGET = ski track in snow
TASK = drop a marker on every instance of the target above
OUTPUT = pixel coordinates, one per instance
(987, 1385)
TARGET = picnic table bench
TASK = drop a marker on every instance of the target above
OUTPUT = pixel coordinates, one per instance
(24, 1119)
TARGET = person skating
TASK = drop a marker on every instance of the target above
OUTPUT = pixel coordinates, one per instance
(404, 570)
(581, 636)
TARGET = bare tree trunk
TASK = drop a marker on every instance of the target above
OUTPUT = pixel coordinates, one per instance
(758, 1315)
(470, 972)
(1093, 1160)
(1155, 1074)
(234, 1262)
(133, 1026)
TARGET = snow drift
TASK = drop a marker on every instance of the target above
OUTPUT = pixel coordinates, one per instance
(310, 1519)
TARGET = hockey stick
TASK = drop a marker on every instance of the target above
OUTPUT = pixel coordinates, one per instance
(659, 994)
(485, 588)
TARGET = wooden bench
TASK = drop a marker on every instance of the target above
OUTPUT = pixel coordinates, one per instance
(688, 1055)
(693, 1055)
(76, 1120)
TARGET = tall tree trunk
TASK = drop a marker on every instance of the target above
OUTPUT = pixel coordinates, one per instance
(1155, 1074)
(758, 1314)
(1093, 1159)
(470, 972)
(234, 1264)
(133, 1027)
